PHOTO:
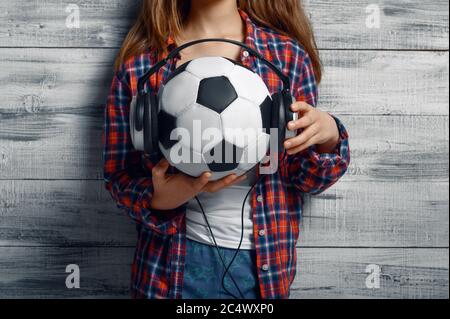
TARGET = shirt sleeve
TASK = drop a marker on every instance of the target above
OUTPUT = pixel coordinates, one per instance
(127, 177)
(311, 172)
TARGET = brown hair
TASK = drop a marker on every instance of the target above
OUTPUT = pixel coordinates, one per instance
(159, 19)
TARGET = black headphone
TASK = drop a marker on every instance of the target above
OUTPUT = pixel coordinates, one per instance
(145, 106)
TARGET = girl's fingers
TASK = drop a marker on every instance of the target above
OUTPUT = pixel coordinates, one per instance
(238, 180)
(302, 147)
(199, 183)
(301, 139)
(214, 187)
(303, 122)
(301, 107)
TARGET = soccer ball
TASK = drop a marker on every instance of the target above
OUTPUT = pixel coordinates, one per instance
(214, 116)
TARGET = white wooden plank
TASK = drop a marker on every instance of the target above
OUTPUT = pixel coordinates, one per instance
(378, 214)
(398, 148)
(40, 273)
(410, 24)
(341, 273)
(36, 81)
(43, 23)
(363, 214)
(371, 82)
(61, 213)
(406, 24)
(32, 145)
(322, 273)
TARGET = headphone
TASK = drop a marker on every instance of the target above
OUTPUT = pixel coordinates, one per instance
(145, 106)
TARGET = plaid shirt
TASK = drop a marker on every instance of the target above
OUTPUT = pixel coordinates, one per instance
(157, 270)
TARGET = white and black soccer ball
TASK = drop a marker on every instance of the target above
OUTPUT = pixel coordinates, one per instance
(214, 115)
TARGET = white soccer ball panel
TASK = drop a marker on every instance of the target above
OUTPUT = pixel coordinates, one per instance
(193, 169)
(185, 160)
(242, 123)
(255, 153)
(205, 127)
(179, 94)
(248, 85)
(208, 67)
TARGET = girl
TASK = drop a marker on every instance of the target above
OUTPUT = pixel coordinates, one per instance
(175, 255)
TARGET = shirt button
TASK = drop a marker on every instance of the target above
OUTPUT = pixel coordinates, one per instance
(260, 199)
(265, 267)
(262, 232)
(245, 54)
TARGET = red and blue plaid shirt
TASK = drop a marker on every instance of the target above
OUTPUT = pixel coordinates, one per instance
(157, 270)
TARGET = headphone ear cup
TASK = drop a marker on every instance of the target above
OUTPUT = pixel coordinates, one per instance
(278, 119)
(137, 122)
(281, 116)
(290, 116)
(151, 124)
(155, 123)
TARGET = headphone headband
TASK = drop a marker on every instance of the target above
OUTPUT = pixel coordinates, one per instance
(285, 79)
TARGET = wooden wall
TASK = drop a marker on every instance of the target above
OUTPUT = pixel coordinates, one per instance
(388, 85)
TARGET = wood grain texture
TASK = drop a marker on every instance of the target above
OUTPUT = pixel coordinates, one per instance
(364, 214)
(40, 272)
(322, 273)
(378, 214)
(43, 23)
(61, 213)
(49, 81)
(411, 24)
(385, 83)
(341, 273)
(406, 24)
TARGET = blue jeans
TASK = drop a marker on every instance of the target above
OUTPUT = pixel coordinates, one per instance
(203, 273)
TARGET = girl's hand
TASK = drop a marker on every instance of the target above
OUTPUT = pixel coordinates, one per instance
(319, 128)
(172, 191)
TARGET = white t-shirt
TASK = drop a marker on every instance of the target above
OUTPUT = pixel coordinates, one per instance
(223, 211)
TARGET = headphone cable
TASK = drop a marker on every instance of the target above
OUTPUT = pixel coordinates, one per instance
(219, 253)
(227, 268)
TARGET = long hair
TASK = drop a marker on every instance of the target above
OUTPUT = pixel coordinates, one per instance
(159, 19)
